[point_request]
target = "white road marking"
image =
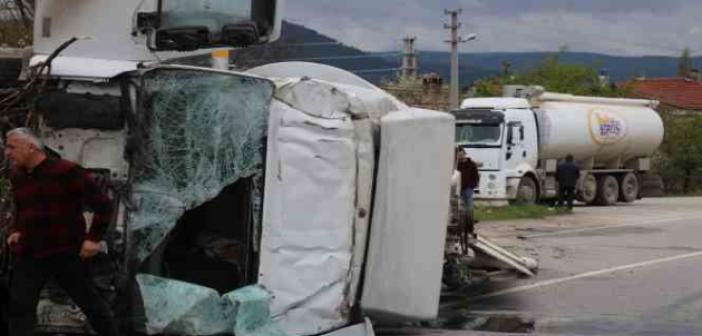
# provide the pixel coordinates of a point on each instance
(604, 227)
(585, 275)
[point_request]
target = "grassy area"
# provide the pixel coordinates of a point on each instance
(517, 212)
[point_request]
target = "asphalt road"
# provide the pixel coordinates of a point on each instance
(632, 269)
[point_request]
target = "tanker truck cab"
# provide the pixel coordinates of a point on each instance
(500, 135)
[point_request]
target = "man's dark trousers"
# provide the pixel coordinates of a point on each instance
(70, 272)
(566, 194)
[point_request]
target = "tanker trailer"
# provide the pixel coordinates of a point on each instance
(518, 142)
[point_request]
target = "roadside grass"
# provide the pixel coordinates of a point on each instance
(518, 212)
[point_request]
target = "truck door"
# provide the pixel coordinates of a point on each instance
(516, 152)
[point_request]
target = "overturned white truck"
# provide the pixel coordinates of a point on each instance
(226, 179)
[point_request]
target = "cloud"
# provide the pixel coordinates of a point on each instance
(623, 27)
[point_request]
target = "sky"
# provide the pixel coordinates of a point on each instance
(615, 27)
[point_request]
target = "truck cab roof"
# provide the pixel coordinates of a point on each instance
(497, 103)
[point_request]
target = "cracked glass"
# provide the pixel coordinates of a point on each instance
(197, 132)
(202, 311)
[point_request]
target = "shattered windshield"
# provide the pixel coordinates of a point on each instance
(478, 134)
(198, 132)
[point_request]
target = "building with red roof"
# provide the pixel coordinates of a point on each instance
(680, 95)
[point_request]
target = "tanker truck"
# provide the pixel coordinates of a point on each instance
(517, 142)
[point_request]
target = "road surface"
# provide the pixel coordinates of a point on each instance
(633, 269)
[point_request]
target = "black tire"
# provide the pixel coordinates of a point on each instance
(629, 188)
(607, 190)
(527, 192)
(587, 193)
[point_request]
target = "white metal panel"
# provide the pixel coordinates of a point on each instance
(87, 68)
(561, 97)
(365, 153)
(404, 263)
(495, 103)
(90, 148)
(104, 26)
(309, 86)
(311, 70)
(486, 158)
(522, 155)
(319, 184)
(307, 238)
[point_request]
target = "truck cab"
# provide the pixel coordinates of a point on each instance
(501, 136)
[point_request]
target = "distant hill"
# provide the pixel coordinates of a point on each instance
(479, 65)
(301, 43)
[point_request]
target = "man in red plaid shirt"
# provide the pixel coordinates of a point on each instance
(50, 237)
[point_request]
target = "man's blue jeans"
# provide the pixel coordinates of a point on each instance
(467, 197)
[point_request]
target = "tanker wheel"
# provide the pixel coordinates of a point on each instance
(607, 190)
(527, 192)
(628, 188)
(588, 189)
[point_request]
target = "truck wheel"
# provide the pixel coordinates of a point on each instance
(527, 193)
(588, 189)
(628, 188)
(607, 190)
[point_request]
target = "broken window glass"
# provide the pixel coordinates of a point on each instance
(202, 311)
(198, 132)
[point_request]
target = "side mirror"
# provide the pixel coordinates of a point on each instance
(187, 25)
(183, 38)
(240, 35)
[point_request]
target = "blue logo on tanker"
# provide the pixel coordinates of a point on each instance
(606, 127)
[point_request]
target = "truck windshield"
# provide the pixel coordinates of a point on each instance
(478, 134)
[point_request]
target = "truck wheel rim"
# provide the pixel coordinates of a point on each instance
(589, 189)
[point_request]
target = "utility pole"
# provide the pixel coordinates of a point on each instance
(454, 26)
(409, 59)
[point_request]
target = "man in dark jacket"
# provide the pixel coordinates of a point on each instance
(49, 236)
(567, 175)
(469, 177)
(469, 181)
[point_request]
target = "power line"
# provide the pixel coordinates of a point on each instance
(374, 70)
(307, 44)
(380, 55)
(344, 57)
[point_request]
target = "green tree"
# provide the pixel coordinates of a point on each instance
(684, 63)
(681, 153)
(553, 75)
